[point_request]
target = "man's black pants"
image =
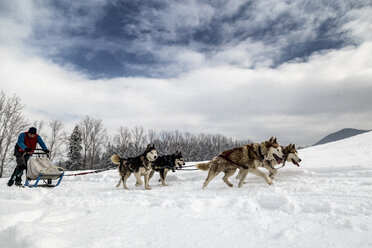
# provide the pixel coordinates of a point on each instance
(21, 159)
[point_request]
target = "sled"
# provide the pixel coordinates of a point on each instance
(39, 167)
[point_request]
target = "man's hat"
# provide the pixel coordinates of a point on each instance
(32, 130)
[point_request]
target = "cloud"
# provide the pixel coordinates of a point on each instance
(15, 18)
(230, 83)
(359, 24)
(243, 103)
(107, 39)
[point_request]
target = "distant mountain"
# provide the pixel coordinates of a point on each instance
(339, 135)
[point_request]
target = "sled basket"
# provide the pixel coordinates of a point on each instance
(41, 168)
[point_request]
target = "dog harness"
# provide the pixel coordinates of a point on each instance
(260, 153)
(166, 160)
(225, 156)
(284, 160)
(268, 162)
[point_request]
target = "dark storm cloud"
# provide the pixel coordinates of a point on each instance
(133, 38)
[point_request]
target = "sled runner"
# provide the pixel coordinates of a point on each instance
(39, 167)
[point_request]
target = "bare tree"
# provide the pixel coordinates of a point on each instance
(12, 122)
(122, 141)
(97, 138)
(123, 137)
(93, 137)
(39, 125)
(139, 139)
(86, 127)
(56, 139)
(151, 134)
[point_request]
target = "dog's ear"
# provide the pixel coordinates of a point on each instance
(294, 146)
(148, 147)
(267, 144)
(273, 140)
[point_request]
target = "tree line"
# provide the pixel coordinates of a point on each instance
(89, 146)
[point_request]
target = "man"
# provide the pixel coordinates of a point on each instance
(24, 148)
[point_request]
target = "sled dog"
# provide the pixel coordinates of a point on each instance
(140, 166)
(165, 163)
(246, 158)
(290, 155)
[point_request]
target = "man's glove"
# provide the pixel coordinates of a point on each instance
(46, 151)
(28, 149)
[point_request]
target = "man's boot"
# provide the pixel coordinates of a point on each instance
(11, 180)
(18, 183)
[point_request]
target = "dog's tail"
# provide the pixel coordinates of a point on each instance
(116, 159)
(203, 166)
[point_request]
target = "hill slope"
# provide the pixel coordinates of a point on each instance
(339, 135)
(324, 203)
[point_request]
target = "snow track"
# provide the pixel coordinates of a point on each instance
(327, 202)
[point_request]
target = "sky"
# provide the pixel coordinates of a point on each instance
(297, 70)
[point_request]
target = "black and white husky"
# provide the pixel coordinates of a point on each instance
(165, 163)
(140, 166)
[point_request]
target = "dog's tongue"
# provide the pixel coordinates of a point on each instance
(298, 165)
(278, 160)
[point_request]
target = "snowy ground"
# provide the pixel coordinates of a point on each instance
(327, 202)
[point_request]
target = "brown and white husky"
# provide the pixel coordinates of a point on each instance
(247, 158)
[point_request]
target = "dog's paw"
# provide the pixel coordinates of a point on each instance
(139, 183)
(148, 188)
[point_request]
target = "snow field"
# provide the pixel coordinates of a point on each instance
(327, 202)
